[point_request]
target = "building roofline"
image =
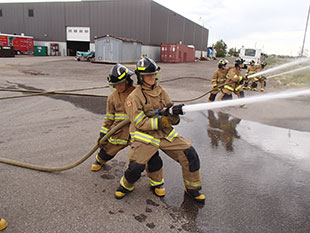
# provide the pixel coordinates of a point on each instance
(13, 35)
(119, 38)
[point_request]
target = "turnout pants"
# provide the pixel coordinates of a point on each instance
(179, 150)
(108, 152)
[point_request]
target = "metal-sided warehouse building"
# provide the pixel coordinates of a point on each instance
(75, 25)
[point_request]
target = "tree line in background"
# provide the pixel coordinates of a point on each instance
(221, 50)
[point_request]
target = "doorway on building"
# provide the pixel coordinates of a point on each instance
(74, 46)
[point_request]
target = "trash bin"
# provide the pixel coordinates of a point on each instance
(39, 50)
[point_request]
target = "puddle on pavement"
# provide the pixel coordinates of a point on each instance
(92, 104)
(248, 169)
(279, 141)
(223, 128)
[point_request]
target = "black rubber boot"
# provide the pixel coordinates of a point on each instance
(159, 190)
(121, 192)
(196, 195)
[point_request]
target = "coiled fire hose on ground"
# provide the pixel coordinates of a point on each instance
(59, 169)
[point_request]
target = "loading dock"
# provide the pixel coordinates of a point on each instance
(78, 39)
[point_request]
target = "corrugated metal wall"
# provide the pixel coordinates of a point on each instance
(143, 20)
(12, 18)
(129, 19)
(47, 24)
(170, 27)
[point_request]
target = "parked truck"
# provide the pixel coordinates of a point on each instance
(249, 54)
(20, 44)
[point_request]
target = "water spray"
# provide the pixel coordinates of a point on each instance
(288, 72)
(238, 102)
(293, 63)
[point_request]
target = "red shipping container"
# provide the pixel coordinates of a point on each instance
(177, 53)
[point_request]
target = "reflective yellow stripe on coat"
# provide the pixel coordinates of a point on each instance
(229, 88)
(139, 117)
(109, 116)
(104, 130)
(238, 88)
(154, 123)
(121, 116)
(144, 137)
(172, 135)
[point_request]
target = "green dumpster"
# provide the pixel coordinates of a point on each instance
(39, 50)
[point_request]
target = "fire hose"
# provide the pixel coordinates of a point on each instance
(59, 169)
(70, 91)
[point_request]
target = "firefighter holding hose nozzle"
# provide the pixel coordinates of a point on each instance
(150, 133)
(234, 81)
(218, 79)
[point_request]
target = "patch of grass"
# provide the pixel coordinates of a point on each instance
(273, 61)
(296, 79)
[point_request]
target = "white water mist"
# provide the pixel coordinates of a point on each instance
(283, 66)
(248, 100)
(288, 72)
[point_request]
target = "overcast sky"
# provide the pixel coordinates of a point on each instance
(275, 26)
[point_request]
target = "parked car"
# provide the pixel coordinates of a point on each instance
(88, 56)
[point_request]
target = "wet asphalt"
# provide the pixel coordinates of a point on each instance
(256, 177)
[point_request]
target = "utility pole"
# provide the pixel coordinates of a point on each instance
(303, 43)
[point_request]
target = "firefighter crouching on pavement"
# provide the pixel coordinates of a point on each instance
(234, 81)
(119, 78)
(261, 79)
(218, 78)
(150, 133)
(251, 69)
(3, 224)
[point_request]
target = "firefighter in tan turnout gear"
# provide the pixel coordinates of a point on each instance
(119, 78)
(261, 79)
(218, 79)
(251, 69)
(234, 81)
(152, 132)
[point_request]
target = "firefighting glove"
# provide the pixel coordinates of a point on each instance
(164, 111)
(174, 119)
(164, 122)
(172, 110)
(101, 135)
